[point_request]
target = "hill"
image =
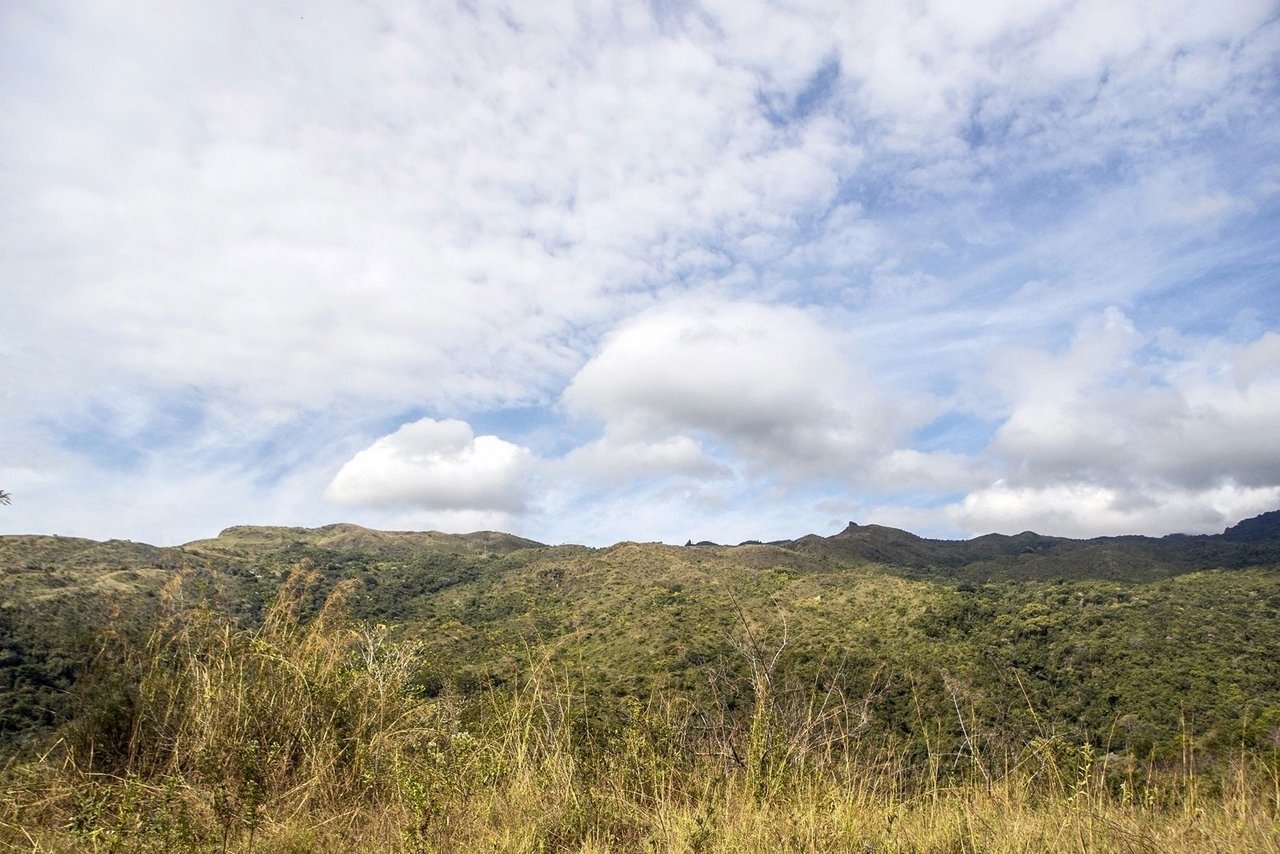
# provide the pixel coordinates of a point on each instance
(1095, 625)
(1029, 555)
(917, 666)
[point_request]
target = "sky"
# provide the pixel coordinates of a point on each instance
(591, 272)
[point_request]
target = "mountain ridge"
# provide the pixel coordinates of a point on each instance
(1250, 542)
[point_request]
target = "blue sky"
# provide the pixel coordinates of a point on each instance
(591, 272)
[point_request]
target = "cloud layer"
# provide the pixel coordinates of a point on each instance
(1123, 432)
(567, 268)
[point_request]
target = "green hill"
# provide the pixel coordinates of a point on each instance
(1156, 633)
(1113, 689)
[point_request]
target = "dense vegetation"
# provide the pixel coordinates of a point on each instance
(430, 691)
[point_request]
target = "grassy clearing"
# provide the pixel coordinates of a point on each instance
(308, 736)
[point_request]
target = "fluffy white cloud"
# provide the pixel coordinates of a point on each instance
(361, 198)
(769, 382)
(1083, 509)
(436, 465)
(1125, 431)
(1116, 409)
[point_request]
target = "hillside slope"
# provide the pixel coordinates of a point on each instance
(1122, 639)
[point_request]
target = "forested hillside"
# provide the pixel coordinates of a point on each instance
(954, 658)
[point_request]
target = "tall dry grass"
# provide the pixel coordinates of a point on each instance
(306, 735)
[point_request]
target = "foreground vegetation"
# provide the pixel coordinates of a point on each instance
(308, 729)
(1087, 641)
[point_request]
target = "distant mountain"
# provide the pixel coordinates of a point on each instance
(1259, 529)
(1029, 555)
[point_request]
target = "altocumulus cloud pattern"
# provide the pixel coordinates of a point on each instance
(655, 271)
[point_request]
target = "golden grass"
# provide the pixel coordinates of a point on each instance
(305, 736)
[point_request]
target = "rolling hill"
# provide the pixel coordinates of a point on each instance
(270, 681)
(1134, 628)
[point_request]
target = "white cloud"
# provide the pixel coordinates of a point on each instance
(1106, 411)
(768, 381)
(910, 470)
(1083, 509)
(611, 461)
(1124, 431)
(680, 509)
(363, 198)
(268, 218)
(437, 466)
(166, 499)
(1203, 207)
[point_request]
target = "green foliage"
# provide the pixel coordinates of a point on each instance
(357, 762)
(402, 679)
(1123, 664)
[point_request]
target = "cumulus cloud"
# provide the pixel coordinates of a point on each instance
(1130, 431)
(438, 466)
(1083, 509)
(1113, 408)
(768, 382)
